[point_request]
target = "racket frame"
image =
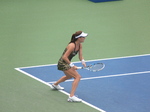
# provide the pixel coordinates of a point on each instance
(88, 67)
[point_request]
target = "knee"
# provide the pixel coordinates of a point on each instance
(78, 77)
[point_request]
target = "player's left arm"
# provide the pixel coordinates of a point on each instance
(81, 56)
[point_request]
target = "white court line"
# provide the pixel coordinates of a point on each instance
(82, 79)
(116, 75)
(18, 69)
(90, 60)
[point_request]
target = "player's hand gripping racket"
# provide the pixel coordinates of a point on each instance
(94, 67)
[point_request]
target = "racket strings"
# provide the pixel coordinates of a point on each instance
(96, 67)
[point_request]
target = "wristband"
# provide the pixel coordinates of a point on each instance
(71, 64)
(82, 60)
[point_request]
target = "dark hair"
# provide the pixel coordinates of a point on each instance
(73, 39)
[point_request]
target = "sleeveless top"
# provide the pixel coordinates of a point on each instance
(62, 65)
(72, 54)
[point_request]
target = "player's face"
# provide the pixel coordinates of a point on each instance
(82, 39)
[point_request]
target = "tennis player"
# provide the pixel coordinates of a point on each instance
(69, 69)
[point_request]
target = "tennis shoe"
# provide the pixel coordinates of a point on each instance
(58, 87)
(74, 99)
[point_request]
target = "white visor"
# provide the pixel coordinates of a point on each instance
(82, 35)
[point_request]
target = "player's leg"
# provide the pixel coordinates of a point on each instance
(62, 79)
(76, 76)
(73, 73)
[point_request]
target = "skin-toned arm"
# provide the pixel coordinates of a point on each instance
(81, 56)
(80, 53)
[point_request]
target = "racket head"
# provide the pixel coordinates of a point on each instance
(96, 67)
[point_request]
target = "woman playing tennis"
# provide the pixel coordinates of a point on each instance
(69, 69)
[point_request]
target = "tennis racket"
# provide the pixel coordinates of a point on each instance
(94, 67)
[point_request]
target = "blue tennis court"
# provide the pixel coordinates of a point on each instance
(122, 86)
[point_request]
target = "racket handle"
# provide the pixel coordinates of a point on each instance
(79, 67)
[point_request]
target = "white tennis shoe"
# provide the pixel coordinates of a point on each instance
(58, 87)
(74, 99)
